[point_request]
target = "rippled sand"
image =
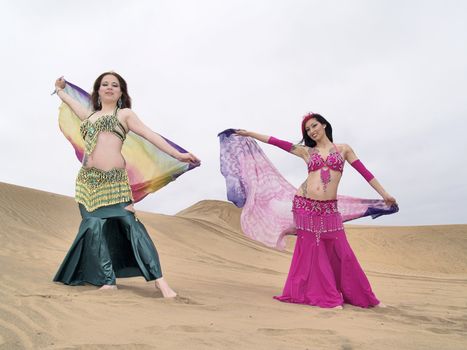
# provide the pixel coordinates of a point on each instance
(225, 283)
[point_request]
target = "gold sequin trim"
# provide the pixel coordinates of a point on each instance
(97, 188)
(90, 130)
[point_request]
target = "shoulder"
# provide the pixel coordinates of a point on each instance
(89, 114)
(125, 114)
(347, 152)
(343, 147)
(301, 150)
(300, 146)
(125, 111)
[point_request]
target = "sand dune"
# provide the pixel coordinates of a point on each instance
(225, 283)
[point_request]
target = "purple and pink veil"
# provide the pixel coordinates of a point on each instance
(265, 196)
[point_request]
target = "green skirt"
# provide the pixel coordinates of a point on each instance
(111, 243)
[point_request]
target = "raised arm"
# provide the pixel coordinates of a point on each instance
(297, 150)
(352, 158)
(76, 107)
(138, 127)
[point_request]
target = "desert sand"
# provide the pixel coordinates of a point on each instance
(225, 283)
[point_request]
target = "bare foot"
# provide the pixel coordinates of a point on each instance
(338, 307)
(163, 286)
(380, 305)
(108, 287)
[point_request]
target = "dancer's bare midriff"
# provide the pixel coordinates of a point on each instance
(107, 155)
(313, 187)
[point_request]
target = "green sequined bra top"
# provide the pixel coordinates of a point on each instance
(90, 130)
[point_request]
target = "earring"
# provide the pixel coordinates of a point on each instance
(119, 103)
(99, 101)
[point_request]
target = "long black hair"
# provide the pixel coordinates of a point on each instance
(320, 119)
(126, 99)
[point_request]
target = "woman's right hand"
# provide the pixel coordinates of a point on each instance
(242, 132)
(60, 83)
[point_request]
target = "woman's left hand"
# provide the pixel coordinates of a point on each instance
(188, 158)
(389, 200)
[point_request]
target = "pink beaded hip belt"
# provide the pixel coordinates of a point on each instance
(314, 206)
(316, 216)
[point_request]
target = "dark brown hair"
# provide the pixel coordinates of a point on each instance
(126, 99)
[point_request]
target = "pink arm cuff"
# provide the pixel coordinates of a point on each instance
(358, 165)
(286, 146)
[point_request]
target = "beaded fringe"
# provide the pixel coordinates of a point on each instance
(96, 188)
(316, 217)
(318, 223)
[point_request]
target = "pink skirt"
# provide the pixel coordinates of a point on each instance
(324, 271)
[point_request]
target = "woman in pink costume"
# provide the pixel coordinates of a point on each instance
(324, 271)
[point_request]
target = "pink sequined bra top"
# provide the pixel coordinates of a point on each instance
(333, 161)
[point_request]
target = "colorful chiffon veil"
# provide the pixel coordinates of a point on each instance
(148, 167)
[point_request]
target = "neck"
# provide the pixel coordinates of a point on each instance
(323, 143)
(108, 107)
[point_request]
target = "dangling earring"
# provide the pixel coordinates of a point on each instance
(99, 101)
(119, 103)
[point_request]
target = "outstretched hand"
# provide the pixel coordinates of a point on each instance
(188, 158)
(389, 200)
(242, 132)
(60, 83)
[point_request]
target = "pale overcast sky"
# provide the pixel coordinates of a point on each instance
(390, 76)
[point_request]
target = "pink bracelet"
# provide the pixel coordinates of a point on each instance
(285, 145)
(358, 165)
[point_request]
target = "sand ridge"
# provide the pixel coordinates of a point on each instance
(225, 283)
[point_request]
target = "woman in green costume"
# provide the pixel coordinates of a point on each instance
(111, 241)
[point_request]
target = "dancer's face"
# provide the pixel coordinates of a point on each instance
(109, 89)
(315, 130)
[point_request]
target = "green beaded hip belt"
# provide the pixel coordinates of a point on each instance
(97, 188)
